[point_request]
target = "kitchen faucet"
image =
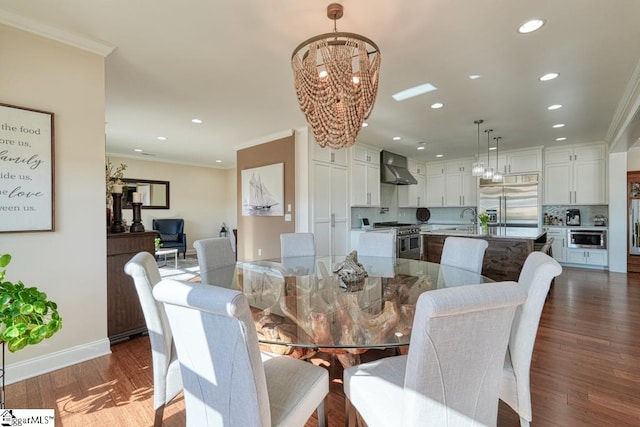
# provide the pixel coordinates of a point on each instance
(474, 219)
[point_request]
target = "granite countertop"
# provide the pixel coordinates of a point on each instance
(527, 233)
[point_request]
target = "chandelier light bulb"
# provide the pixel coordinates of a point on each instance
(488, 173)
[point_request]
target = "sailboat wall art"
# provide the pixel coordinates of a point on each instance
(263, 191)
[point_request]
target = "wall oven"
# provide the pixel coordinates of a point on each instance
(591, 239)
(408, 238)
(409, 245)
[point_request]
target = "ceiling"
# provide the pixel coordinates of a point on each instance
(228, 64)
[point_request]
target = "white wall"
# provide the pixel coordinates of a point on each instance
(633, 160)
(69, 264)
(203, 197)
(618, 212)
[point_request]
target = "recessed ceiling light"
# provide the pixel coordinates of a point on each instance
(196, 120)
(492, 148)
(414, 91)
(562, 138)
(531, 26)
(474, 76)
(162, 138)
(397, 138)
(548, 76)
(559, 125)
(365, 124)
(554, 107)
(138, 150)
(439, 155)
(421, 147)
(218, 161)
(437, 105)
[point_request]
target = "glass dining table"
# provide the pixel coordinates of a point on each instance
(303, 304)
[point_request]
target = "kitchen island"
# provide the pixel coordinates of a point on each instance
(508, 248)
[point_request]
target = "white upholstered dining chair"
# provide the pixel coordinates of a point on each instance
(297, 245)
(225, 382)
(213, 253)
(377, 244)
(536, 275)
(451, 375)
(167, 382)
(464, 252)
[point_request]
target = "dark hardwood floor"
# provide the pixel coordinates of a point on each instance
(585, 372)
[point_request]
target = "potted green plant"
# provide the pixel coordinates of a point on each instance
(483, 217)
(26, 316)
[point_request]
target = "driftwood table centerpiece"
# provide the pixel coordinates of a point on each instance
(344, 313)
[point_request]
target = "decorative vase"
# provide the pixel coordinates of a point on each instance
(136, 226)
(485, 228)
(116, 225)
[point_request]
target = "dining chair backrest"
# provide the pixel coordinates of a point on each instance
(297, 245)
(167, 382)
(225, 380)
(451, 375)
(377, 244)
(456, 354)
(213, 253)
(536, 275)
(464, 252)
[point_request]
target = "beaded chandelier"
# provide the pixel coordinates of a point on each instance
(336, 80)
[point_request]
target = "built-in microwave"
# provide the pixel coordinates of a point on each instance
(593, 239)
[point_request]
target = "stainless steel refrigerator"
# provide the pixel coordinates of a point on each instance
(512, 203)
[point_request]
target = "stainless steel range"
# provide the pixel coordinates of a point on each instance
(408, 238)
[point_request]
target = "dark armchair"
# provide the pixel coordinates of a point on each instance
(171, 234)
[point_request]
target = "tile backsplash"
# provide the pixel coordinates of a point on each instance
(587, 212)
(389, 211)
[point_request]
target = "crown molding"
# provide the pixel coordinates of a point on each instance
(81, 42)
(263, 140)
(624, 129)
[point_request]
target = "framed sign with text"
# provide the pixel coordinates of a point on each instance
(26, 169)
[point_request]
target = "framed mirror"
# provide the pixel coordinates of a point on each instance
(155, 194)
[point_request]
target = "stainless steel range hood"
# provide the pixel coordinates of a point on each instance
(393, 169)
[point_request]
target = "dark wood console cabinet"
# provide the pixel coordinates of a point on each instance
(124, 314)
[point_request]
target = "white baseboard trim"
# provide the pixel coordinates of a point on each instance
(54, 361)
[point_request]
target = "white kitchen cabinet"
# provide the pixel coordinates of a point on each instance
(523, 162)
(330, 207)
(516, 161)
(451, 184)
(329, 155)
(559, 245)
(575, 175)
(416, 167)
(594, 257)
(365, 176)
(413, 196)
(435, 186)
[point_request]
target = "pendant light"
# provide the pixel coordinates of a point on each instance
(336, 82)
(488, 172)
(497, 175)
(477, 168)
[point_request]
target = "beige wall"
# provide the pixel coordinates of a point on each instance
(259, 237)
(633, 160)
(69, 264)
(203, 197)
